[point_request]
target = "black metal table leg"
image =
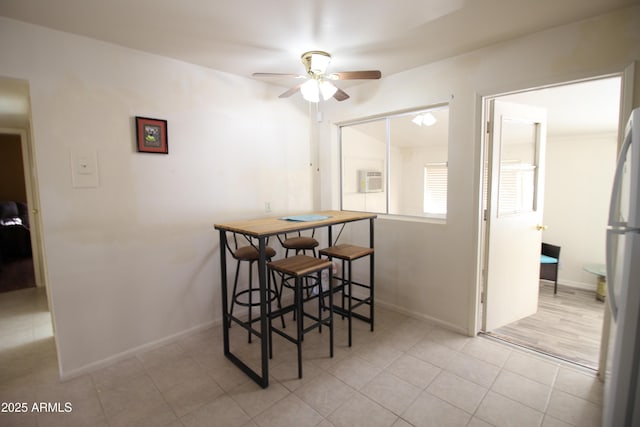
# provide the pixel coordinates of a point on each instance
(264, 298)
(227, 318)
(371, 273)
(223, 286)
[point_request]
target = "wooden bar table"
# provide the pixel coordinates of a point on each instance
(261, 229)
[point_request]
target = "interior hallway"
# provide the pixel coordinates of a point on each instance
(408, 372)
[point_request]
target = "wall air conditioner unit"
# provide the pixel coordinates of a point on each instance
(370, 181)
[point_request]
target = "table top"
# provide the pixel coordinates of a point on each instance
(263, 227)
(597, 269)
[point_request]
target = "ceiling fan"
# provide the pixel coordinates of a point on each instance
(318, 81)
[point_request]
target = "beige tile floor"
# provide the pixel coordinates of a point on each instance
(406, 373)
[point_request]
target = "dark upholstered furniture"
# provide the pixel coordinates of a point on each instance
(15, 237)
(549, 260)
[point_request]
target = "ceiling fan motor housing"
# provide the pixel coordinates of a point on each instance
(316, 62)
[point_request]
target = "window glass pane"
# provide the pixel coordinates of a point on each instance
(412, 149)
(516, 189)
(364, 158)
(417, 139)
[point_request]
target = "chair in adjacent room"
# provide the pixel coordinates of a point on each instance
(347, 254)
(299, 268)
(549, 260)
(250, 297)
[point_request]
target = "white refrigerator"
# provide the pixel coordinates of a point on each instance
(622, 383)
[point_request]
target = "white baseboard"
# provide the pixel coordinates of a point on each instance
(94, 366)
(415, 315)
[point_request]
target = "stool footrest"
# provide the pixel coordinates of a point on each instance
(361, 301)
(245, 324)
(305, 286)
(345, 312)
(284, 335)
(345, 282)
(256, 302)
(282, 311)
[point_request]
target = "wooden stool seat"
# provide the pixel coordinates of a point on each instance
(300, 243)
(250, 253)
(299, 265)
(346, 252)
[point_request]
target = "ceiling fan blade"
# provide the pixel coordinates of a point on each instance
(290, 91)
(281, 75)
(340, 95)
(356, 75)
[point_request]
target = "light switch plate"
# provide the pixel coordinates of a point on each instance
(84, 167)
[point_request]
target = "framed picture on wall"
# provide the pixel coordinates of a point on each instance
(152, 135)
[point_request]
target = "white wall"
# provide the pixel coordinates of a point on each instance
(578, 179)
(135, 260)
(430, 269)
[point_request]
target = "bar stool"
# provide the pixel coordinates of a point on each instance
(300, 267)
(250, 297)
(299, 243)
(348, 254)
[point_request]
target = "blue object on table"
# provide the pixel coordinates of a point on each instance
(305, 218)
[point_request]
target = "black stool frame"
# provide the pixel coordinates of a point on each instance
(348, 283)
(273, 294)
(298, 308)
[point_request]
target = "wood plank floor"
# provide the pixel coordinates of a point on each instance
(567, 325)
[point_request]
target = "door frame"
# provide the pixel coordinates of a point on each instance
(627, 75)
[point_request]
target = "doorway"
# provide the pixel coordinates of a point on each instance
(16, 260)
(582, 121)
(27, 343)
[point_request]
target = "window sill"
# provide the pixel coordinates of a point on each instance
(407, 218)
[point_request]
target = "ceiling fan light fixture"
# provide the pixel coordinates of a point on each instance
(309, 90)
(327, 89)
(426, 119)
(316, 63)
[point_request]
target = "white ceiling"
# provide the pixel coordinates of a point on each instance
(246, 36)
